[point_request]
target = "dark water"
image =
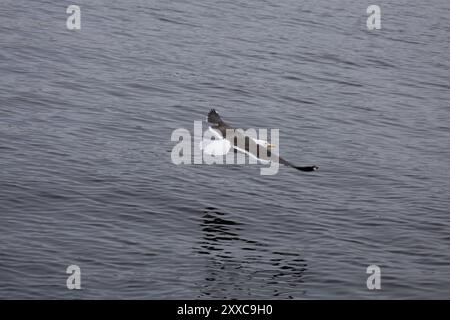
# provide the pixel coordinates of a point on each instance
(86, 176)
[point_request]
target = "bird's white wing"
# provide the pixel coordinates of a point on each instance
(215, 133)
(215, 147)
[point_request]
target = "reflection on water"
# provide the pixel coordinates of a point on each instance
(237, 266)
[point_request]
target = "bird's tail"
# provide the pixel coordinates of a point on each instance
(213, 117)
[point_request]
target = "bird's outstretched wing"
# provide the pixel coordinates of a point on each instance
(217, 122)
(214, 118)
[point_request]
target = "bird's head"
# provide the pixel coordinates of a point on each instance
(265, 144)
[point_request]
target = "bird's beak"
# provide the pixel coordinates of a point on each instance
(270, 146)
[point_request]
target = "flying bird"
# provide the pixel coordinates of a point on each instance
(256, 148)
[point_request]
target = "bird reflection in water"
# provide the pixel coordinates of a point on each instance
(238, 267)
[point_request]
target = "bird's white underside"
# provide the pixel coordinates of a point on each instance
(221, 146)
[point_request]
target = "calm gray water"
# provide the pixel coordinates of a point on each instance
(86, 176)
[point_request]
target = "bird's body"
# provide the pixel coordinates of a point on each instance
(233, 138)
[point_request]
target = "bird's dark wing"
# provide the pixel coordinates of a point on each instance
(301, 168)
(217, 122)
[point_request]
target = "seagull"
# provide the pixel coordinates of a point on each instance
(255, 148)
